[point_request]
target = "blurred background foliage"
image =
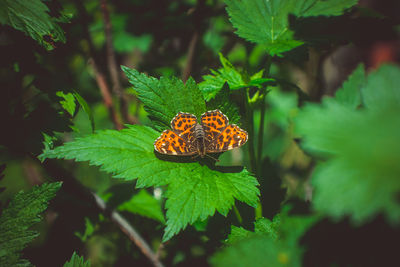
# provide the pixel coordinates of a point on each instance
(57, 84)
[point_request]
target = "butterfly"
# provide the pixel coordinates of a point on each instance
(188, 137)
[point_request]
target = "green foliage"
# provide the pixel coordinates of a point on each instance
(68, 102)
(223, 102)
(194, 191)
(273, 243)
(89, 230)
(360, 176)
(22, 213)
(381, 90)
(261, 226)
(76, 261)
(350, 93)
(86, 108)
(165, 97)
(144, 204)
(266, 22)
(212, 84)
(32, 18)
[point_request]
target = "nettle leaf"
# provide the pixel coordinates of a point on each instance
(212, 84)
(275, 243)
(144, 204)
(382, 88)
(77, 261)
(223, 102)
(350, 92)
(266, 22)
(22, 212)
(165, 97)
(364, 155)
(68, 102)
(32, 18)
(86, 108)
(361, 148)
(194, 191)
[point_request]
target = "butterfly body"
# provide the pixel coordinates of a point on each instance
(188, 137)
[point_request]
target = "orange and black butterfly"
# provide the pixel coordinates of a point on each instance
(188, 137)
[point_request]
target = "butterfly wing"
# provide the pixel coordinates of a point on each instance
(183, 124)
(230, 137)
(171, 143)
(213, 122)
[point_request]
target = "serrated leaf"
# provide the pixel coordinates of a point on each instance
(266, 22)
(350, 92)
(273, 243)
(86, 108)
(165, 97)
(238, 234)
(362, 151)
(382, 88)
(212, 84)
(144, 204)
(223, 102)
(68, 103)
(194, 191)
(76, 261)
(32, 18)
(22, 212)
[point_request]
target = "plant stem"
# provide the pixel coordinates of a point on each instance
(258, 209)
(250, 129)
(112, 67)
(260, 137)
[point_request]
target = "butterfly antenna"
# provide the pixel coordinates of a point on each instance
(217, 160)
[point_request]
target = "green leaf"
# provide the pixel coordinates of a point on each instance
(68, 103)
(361, 148)
(77, 261)
(212, 84)
(144, 204)
(382, 89)
(350, 92)
(238, 234)
(223, 102)
(165, 97)
(266, 226)
(364, 149)
(86, 108)
(312, 8)
(257, 250)
(89, 230)
(194, 191)
(22, 213)
(275, 243)
(32, 18)
(266, 22)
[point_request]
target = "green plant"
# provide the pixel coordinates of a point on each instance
(311, 159)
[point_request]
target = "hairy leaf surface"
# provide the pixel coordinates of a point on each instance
(194, 191)
(266, 22)
(32, 18)
(163, 98)
(21, 213)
